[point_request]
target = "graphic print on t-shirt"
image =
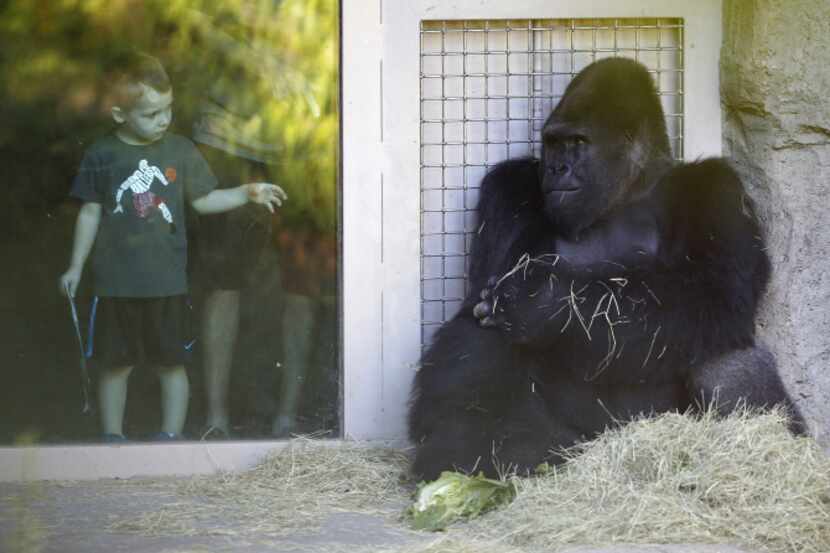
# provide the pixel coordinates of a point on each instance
(143, 198)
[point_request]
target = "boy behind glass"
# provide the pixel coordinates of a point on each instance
(133, 184)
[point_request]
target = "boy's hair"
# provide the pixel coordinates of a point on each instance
(132, 69)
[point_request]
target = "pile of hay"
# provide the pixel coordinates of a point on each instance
(741, 480)
(294, 489)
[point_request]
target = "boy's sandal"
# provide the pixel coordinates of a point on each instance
(165, 437)
(113, 438)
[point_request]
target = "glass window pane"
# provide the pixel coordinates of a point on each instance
(143, 145)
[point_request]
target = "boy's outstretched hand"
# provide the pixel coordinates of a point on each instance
(263, 193)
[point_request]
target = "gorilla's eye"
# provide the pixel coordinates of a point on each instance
(580, 140)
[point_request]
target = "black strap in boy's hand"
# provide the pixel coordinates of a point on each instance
(84, 372)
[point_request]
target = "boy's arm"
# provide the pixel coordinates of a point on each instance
(86, 228)
(218, 201)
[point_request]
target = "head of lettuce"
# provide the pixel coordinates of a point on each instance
(454, 496)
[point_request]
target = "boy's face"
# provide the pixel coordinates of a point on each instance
(147, 120)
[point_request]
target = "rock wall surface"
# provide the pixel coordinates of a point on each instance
(775, 81)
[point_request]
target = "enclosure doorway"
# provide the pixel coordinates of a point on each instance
(435, 93)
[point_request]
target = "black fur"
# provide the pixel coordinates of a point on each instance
(606, 282)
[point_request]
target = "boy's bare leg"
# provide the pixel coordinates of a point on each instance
(112, 395)
(220, 326)
(175, 394)
(297, 328)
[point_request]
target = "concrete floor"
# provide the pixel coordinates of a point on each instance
(70, 517)
(77, 517)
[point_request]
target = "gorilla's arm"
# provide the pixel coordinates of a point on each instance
(694, 299)
(714, 260)
(510, 220)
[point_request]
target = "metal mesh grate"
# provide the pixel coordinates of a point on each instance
(486, 90)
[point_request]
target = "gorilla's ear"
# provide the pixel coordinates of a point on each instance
(639, 149)
(643, 147)
(647, 160)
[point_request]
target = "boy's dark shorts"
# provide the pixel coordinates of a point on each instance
(229, 245)
(126, 332)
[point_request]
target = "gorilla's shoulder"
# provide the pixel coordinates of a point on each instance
(707, 217)
(703, 178)
(706, 194)
(512, 182)
(527, 167)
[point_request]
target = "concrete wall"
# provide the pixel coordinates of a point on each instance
(775, 79)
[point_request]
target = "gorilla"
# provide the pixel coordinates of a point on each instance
(606, 282)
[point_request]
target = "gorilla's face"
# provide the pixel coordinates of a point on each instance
(585, 172)
(603, 144)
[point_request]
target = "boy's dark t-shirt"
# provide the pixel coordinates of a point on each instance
(141, 246)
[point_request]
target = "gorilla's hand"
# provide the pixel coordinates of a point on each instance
(487, 311)
(524, 304)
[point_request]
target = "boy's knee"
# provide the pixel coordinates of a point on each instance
(166, 370)
(117, 372)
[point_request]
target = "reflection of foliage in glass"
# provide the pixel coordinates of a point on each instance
(277, 60)
(56, 55)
